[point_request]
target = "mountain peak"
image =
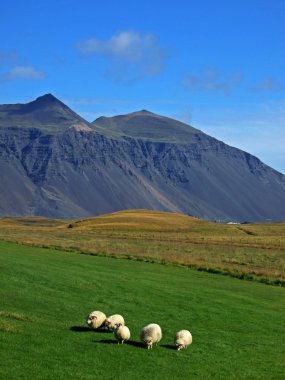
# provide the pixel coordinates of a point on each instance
(141, 113)
(47, 98)
(45, 112)
(145, 112)
(45, 101)
(147, 125)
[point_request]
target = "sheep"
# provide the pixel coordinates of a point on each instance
(112, 320)
(182, 339)
(96, 319)
(151, 334)
(122, 333)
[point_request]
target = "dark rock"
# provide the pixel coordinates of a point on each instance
(54, 163)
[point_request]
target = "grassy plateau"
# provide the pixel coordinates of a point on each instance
(249, 251)
(237, 326)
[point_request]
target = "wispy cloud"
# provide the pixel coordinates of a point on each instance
(124, 102)
(22, 72)
(8, 57)
(212, 80)
(260, 132)
(185, 115)
(98, 101)
(130, 55)
(267, 84)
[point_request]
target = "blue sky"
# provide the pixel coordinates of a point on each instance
(218, 65)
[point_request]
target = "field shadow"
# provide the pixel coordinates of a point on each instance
(135, 344)
(103, 331)
(108, 341)
(114, 341)
(168, 346)
(87, 329)
(80, 329)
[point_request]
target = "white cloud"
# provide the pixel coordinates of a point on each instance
(130, 55)
(211, 80)
(22, 72)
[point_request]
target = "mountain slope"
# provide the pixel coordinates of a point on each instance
(70, 168)
(145, 125)
(46, 113)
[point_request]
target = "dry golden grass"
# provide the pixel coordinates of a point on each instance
(7, 321)
(253, 251)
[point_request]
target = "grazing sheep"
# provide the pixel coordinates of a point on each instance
(112, 320)
(182, 339)
(96, 319)
(122, 333)
(151, 334)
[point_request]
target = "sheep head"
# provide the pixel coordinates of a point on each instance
(149, 342)
(91, 319)
(179, 344)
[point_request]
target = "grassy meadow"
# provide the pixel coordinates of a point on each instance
(237, 326)
(250, 251)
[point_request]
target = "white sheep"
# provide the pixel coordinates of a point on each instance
(114, 319)
(151, 334)
(96, 319)
(182, 339)
(122, 333)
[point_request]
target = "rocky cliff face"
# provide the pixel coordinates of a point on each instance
(77, 169)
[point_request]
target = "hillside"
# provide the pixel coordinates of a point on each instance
(46, 295)
(58, 165)
(46, 113)
(145, 125)
(250, 251)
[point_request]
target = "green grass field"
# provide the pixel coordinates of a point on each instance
(251, 251)
(237, 326)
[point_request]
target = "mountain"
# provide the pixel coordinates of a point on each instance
(46, 113)
(147, 126)
(54, 163)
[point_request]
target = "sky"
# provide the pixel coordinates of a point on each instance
(218, 65)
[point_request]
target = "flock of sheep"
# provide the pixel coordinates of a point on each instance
(149, 335)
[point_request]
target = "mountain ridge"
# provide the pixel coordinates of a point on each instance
(45, 112)
(147, 125)
(76, 169)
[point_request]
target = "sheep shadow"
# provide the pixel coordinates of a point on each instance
(86, 329)
(168, 346)
(107, 341)
(80, 329)
(135, 344)
(114, 341)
